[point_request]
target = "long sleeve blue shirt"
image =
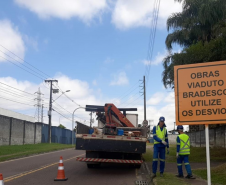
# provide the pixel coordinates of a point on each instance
(159, 140)
(178, 144)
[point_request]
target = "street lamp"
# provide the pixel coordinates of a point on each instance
(62, 94)
(73, 123)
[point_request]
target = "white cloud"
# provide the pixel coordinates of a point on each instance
(84, 10)
(120, 79)
(135, 13)
(170, 98)
(11, 39)
(80, 92)
(158, 59)
(156, 98)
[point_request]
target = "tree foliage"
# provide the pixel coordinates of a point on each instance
(200, 29)
(62, 126)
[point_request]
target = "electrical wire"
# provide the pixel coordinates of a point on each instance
(25, 61)
(16, 101)
(152, 37)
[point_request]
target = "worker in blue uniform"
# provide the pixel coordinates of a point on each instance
(160, 143)
(183, 152)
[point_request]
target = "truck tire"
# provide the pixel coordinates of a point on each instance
(93, 165)
(137, 166)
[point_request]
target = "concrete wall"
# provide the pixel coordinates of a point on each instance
(18, 132)
(217, 137)
(29, 133)
(4, 130)
(38, 138)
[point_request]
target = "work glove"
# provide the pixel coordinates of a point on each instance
(177, 155)
(165, 143)
(167, 150)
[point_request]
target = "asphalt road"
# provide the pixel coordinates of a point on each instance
(42, 169)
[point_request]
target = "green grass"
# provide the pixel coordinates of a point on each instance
(197, 154)
(169, 179)
(218, 174)
(148, 155)
(149, 144)
(16, 151)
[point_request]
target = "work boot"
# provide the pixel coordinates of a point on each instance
(190, 177)
(161, 174)
(153, 175)
(179, 176)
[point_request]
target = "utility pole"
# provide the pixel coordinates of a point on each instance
(50, 106)
(144, 99)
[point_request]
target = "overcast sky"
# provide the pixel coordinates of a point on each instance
(97, 49)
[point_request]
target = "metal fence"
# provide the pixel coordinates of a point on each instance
(217, 137)
(58, 135)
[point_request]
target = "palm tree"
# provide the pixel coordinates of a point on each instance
(199, 21)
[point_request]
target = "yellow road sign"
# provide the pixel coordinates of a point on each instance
(200, 93)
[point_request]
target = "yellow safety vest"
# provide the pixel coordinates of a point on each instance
(160, 134)
(184, 144)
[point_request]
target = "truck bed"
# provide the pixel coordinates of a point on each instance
(109, 143)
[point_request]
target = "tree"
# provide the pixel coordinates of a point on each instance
(200, 30)
(62, 126)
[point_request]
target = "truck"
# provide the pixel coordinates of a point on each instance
(117, 139)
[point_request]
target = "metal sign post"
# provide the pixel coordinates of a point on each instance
(208, 154)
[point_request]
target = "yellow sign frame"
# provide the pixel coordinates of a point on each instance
(200, 93)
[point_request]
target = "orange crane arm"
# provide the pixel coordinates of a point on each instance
(111, 107)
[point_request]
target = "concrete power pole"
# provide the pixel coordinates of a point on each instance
(144, 99)
(50, 106)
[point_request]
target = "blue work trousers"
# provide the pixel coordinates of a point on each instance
(180, 160)
(159, 152)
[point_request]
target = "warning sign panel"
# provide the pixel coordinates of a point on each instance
(200, 93)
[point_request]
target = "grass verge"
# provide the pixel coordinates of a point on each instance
(199, 155)
(16, 151)
(218, 174)
(169, 179)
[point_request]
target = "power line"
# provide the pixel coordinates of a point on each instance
(23, 64)
(24, 61)
(122, 96)
(16, 89)
(66, 110)
(134, 100)
(66, 95)
(16, 101)
(62, 115)
(152, 36)
(21, 67)
(128, 99)
(128, 94)
(15, 95)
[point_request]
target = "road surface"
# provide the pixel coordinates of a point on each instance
(42, 169)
